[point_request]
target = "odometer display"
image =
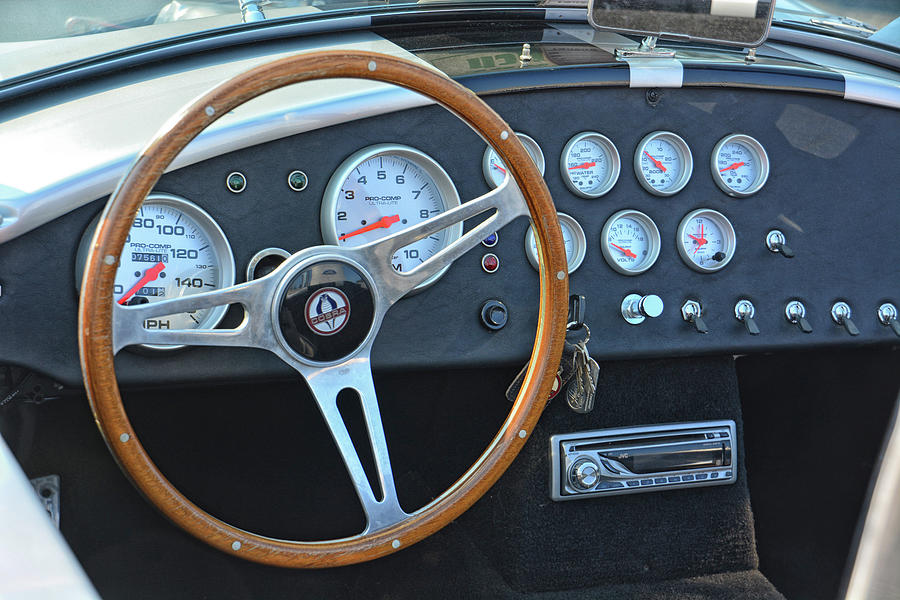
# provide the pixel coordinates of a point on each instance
(174, 248)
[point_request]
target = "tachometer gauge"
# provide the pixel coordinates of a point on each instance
(663, 163)
(174, 249)
(706, 240)
(590, 164)
(573, 236)
(383, 189)
(630, 242)
(495, 171)
(740, 165)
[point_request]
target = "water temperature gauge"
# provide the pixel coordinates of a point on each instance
(630, 242)
(740, 165)
(706, 240)
(573, 236)
(590, 164)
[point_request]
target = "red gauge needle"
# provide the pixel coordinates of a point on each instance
(732, 166)
(701, 240)
(586, 165)
(658, 164)
(499, 168)
(149, 275)
(625, 251)
(383, 222)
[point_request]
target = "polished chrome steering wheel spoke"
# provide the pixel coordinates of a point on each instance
(326, 383)
(507, 203)
(254, 332)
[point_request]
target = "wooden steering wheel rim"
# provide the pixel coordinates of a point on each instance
(95, 311)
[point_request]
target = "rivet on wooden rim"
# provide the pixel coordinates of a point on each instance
(235, 546)
(124, 438)
(210, 111)
(372, 65)
(395, 544)
(560, 275)
(504, 135)
(109, 259)
(523, 433)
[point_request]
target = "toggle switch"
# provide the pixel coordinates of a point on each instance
(840, 314)
(744, 311)
(691, 312)
(777, 243)
(636, 308)
(796, 314)
(887, 316)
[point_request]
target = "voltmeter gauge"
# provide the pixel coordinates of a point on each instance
(706, 240)
(740, 165)
(663, 163)
(590, 164)
(573, 236)
(495, 171)
(174, 249)
(630, 242)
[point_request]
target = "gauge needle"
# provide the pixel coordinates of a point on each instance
(625, 251)
(732, 166)
(499, 168)
(658, 164)
(701, 240)
(383, 222)
(586, 165)
(149, 275)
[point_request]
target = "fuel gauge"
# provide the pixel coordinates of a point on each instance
(573, 237)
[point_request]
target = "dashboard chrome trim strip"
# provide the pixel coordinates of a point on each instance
(862, 88)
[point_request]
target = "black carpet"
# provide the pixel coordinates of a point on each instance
(259, 456)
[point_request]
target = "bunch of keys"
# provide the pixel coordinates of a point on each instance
(578, 373)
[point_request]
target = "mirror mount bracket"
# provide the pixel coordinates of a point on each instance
(647, 49)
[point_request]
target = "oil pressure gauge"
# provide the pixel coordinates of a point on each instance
(590, 164)
(663, 163)
(495, 171)
(573, 236)
(740, 165)
(706, 240)
(630, 242)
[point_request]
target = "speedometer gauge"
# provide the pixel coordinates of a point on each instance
(383, 189)
(573, 238)
(495, 171)
(590, 164)
(706, 240)
(174, 249)
(663, 163)
(740, 165)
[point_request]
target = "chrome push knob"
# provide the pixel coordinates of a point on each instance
(795, 312)
(744, 311)
(840, 314)
(584, 474)
(636, 308)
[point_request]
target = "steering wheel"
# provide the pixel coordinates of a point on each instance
(361, 286)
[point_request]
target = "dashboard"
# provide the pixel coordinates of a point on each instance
(666, 205)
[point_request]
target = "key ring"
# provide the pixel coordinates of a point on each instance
(570, 327)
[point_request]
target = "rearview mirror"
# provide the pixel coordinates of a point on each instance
(743, 23)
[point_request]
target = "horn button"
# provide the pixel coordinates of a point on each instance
(326, 311)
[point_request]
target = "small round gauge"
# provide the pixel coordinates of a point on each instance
(174, 249)
(630, 242)
(706, 240)
(740, 165)
(573, 236)
(590, 164)
(383, 189)
(663, 163)
(495, 171)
